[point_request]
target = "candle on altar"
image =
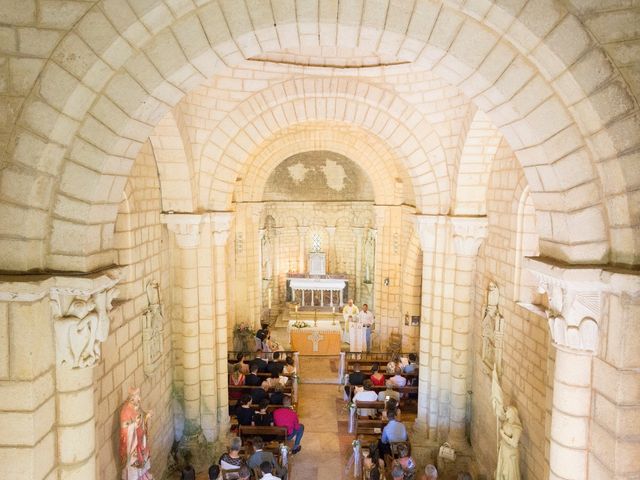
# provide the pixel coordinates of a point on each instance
(269, 303)
(333, 309)
(296, 308)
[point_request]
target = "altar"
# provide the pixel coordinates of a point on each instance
(323, 339)
(317, 291)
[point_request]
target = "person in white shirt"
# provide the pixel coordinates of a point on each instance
(367, 318)
(398, 380)
(266, 469)
(367, 395)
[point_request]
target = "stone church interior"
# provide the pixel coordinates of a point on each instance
(191, 188)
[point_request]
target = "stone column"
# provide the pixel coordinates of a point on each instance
(186, 228)
(76, 301)
(254, 280)
(51, 335)
(468, 234)
(357, 287)
(597, 359)
(331, 250)
(302, 237)
(279, 294)
(434, 241)
(220, 228)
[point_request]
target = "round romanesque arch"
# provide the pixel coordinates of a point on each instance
(108, 77)
(384, 116)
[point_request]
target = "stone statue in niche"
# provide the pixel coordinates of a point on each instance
(492, 330)
(135, 454)
(369, 256)
(152, 329)
(267, 271)
(81, 323)
(508, 432)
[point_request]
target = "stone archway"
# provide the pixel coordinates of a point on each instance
(88, 114)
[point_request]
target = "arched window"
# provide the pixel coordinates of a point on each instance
(527, 245)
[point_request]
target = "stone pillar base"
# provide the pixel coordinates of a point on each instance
(196, 444)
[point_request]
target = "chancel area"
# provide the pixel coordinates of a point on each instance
(345, 239)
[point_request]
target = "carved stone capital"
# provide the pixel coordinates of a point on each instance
(220, 227)
(185, 226)
(574, 303)
(427, 227)
(80, 307)
(468, 234)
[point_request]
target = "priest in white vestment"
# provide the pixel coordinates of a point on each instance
(349, 310)
(356, 335)
(366, 319)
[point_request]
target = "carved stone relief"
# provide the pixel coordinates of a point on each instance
(492, 330)
(572, 314)
(81, 323)
(152, 329)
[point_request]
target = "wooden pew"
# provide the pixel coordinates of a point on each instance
(270, 408)
(369, 427)
(278, 434)
(231, 355)
(404, 391)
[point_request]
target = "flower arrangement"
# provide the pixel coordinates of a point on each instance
(300, 324)
(243, 329)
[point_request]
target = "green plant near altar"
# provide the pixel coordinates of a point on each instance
(243, 338)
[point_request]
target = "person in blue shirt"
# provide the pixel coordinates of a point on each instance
(411, 367)
(394, 431)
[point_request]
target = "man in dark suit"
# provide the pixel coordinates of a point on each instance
(253, 380)
(260, 362)
(356, 378)
(276, 366)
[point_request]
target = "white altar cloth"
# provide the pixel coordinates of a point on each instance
(316, 284)
(322, 285)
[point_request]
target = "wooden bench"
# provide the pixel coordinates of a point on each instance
(248, 388)
(403, 391)
(372, 357)
(270, 407)
(245, 432)
(408, 376)
(232, 356)
(365, 426)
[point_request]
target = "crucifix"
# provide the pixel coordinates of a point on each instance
(315, 337)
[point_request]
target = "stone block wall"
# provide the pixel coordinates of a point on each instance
(27, 391)
(142, 245)
(527, 365)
